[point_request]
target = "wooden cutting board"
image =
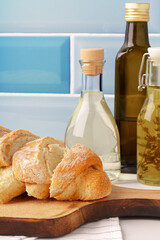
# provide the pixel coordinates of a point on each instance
(50, 218)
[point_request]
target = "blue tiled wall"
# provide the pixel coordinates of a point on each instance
(91, 16)
(40, 44)
(35, 64)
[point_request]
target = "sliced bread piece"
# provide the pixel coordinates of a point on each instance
(10, 187)
(11, 142)
(34, 164)
(4, 130)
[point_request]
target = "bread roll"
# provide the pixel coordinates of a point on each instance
(10, 187)
(34, 164)
(80, 176)
(11, 142)
(4, 130)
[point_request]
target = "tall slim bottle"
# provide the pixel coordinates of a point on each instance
(128, 101)
(92, 123)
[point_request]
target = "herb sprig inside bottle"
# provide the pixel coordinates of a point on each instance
(148, 122)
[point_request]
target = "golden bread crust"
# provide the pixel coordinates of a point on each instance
(10, 187)
(4, 130)
(79, 167)
(91, 184)
(11, 142)
(34, 163)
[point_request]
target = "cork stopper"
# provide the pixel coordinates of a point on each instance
(137, 12)
(92, 61)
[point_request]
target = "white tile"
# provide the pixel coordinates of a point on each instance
(43, 114)
(70, 16)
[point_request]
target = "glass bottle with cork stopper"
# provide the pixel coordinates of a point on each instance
(148, 122)
(92, 123)
(128, 101)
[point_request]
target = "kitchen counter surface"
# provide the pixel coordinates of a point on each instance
(138, 228)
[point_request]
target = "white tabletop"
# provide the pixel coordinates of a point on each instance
(138, 228)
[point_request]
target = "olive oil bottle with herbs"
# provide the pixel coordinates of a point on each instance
(128, 101)
(148, 123)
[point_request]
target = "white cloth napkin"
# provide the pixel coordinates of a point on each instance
(106, 229)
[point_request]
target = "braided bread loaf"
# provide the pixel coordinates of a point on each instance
(80, 176)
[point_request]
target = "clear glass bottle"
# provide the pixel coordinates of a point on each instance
(92, 123)
(128, 101)
(148, 122)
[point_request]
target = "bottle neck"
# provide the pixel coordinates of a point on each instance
(153, 93)
(91, 83)
(137, 34)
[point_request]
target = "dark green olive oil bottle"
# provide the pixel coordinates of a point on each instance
(128, 100)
